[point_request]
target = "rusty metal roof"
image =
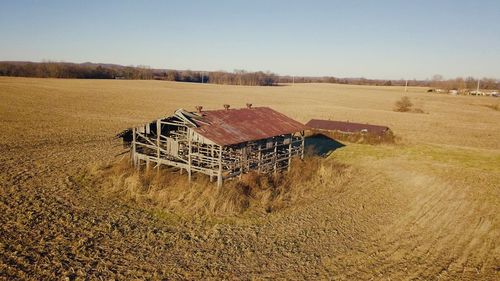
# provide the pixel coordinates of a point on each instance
(233, 126)
(347, 127)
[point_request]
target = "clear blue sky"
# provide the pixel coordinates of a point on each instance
(372, 39)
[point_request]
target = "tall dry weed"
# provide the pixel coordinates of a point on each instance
(493, 106)
(253, 193)
(405, 105)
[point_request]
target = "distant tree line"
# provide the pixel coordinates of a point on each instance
(335, 80)
(237, 77)
(73, 70)
(437, 81)
(460, 83)
(98, 71)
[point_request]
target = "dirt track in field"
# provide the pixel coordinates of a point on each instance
(411, 212)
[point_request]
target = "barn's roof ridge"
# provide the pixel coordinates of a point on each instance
(231, 109)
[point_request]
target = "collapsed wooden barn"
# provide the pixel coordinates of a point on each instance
(222, 144)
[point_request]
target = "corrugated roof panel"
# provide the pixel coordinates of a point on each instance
(232, 126)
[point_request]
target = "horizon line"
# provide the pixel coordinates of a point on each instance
(444, 78)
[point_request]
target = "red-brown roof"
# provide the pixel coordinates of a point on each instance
(232, 126)
(346, 126)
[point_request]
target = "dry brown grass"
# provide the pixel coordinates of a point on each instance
(254, 194)
(493, 106)
(105, 107)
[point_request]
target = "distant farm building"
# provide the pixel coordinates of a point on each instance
(353, 132)
(222, 144)
(436, 90)
(476, 93)
(466, 92)
(347, 127)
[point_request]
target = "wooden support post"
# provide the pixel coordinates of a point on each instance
(219, 173)
(302, 145)
(189, 155)
(249, 157)
(259, 163)
(132, 151)
(242, 161)
(290, 152)
(158, 134)
(275, 158)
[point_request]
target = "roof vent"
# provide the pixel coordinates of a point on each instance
(226, 106)
(249, 105)
(198, 108)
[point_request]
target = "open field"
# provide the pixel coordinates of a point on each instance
(425, 208)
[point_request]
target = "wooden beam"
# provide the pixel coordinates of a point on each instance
(219, 173)
(275, 158)
(149, 146)
(302, 145)
(146, 138)
(133, 151)
(242, 161)
(158, 137)
(189, 155)
(144, 157)
(173, 124)
(290, 153)
(259, 160)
